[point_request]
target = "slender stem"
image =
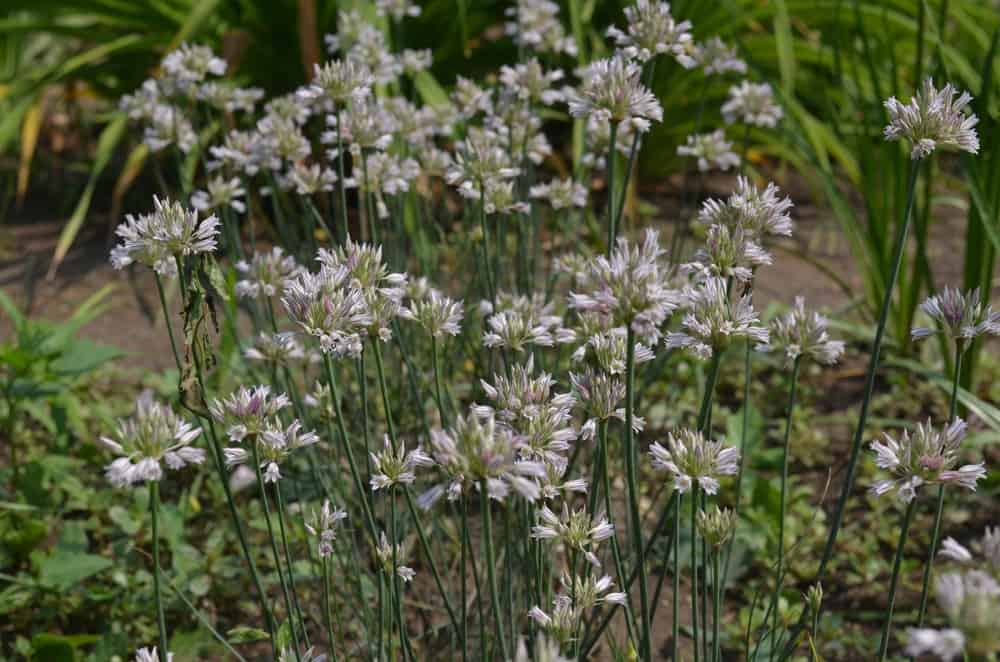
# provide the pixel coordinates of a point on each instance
(487, 263)
(166, 321)
(602, 446)
(873, 364)
(705, 571)
(612, 217)
(716, 607)
(403, 644)
(464, 587)
(907, 518)
(775, 600)
(288, 562)
(384, 389)
(327, 610)
(744, 434)
(939, 510)
(484, 500)
(161, 621)
(704, 414)
(635, 534)
(677, 578)
(694, 570)
(414, 513)
(340, 182)
(437, 381)
(274, 547)
(356, 477)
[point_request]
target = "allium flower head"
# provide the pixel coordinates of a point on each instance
(153, 434)
(612, 91)
(387, 556)
(323, 525)
(327, 307)
(522, 395)
(372, 50)
(926, 457)
(631, 287)
(191, 64)
(240, 152)
(729, 252)
(529, 82)
(167, 233)
(397, 9)
(753, 104)
(247, 411)
(470, 98)
(475, 449)
(545, 650)
(480, 160)
(364, 126)
(716, 527)
(561, 622)
(436, 314)
(220, 193)
(989, 545)
(600, 393)
(598, 141)
(501, 198)
(802, 333)
(396, 466)
(150, 655)
(962, 316)
(266, 274)
(592, 590)
(310, 179)
(933, 119)
(715, 57)
(691, 458)
(608, 349)
(536, 25)
(275, 348)
(712, 150)
(761, 213)
(367, 273)
(561, 193)
(229, 98)
(282, 142)
(554, 484)
(713, 321)
(576, 529)
(651, 31)
(273, 445)
(517, 322)
(970, 601)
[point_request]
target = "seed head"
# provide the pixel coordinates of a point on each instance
(961, 316)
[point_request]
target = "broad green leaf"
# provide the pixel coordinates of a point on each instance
(63, 570)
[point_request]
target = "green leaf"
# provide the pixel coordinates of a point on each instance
(83, 356)
(106, 144)
(52, 648)
(63, 570)
(784, 44)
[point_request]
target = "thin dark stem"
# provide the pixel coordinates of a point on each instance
(274, 547)
(609, 512)
(400, 622)
(166, 321)
(340, 182)
(288, 562)
(939, 509)
(704, 413)
(384, 389)
(694, 570)
(430, 559)
(873, 364)
(635, 534)
(907, 518)
(437, 381)
(744, 434)
(612, 217)
(484, 501)
(327, 610)
(716, 607)
(161, 621)
(676, 604)
(784, 498)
